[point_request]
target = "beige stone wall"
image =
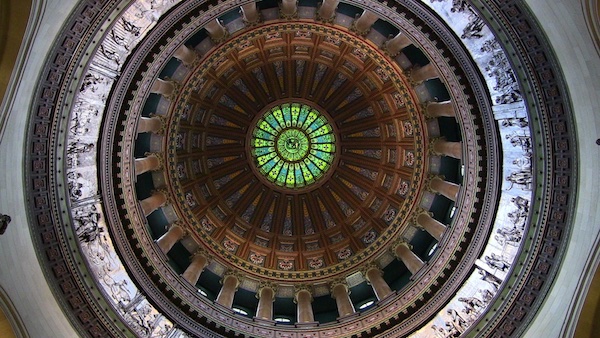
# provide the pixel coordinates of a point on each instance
(565, 26)
(20, 274)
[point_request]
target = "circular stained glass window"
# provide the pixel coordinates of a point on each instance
(293, 145)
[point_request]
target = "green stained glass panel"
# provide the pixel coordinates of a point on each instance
(303, 115)
(293, 145)
(324, 139)
(259, 152)
(263, 125)
(295, 114)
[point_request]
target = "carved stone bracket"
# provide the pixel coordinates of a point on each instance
(160, 158)
(163, 120)
(303, 287)
(269, 285)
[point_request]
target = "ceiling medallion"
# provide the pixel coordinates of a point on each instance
(295, 160)
(293, 145)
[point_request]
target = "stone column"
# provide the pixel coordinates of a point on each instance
(341, 293)
(157, 200)
(165, 88)
(440, 109)
(440, 146)
(187, 56)
(153, 124)
(193, 271)
(396, 44)
(230, 284)
(216, 31)
(166, 241)
(418, 75)
(362, 25)
(326, 11)
(403, 251)
(303, 298)
(288, 9)
(374, 276)
(149, 163)
(250, 14)
(445, 188)
(431, 225)
(266, 297)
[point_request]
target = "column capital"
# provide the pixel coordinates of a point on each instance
(160, 158)
(302, 287)
(200, 252)
(232, 273)
(184, 232)
(190, 57)
(319, 17)
(419, 74)
(164, 192)
(430, 178)
(439, 185)
(163, 123)
(432, 142)
(416, 214)
(250, 14)
(217, 32)
(439, 146)
(362, 22)
(166, 87)
(336, 282)
(282, 10)
(369, 266)
(400, 242)
(266, 285)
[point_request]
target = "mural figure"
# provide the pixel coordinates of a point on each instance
(497, 262)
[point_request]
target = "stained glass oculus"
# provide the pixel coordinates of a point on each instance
(293, 145)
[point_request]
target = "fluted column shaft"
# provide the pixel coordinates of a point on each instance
(146, 164)
(446, 148)
(266, 296)
(342, 298)
(397, 43)
(412, 262)
(379, 285)
(431, 225)
(445, 188)
(230, 285)
(327, 9)
(250, 13)
(424, 73)
(365, 21)
(215, 30)
(157, 200)
(162, 87)
(166, 241)
(441, 109)
(149, 125)
(289, 7)
(193, 271)
(186, 55)
(305, 312)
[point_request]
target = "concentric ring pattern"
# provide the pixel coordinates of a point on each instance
(410, 202)
(274, 100)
